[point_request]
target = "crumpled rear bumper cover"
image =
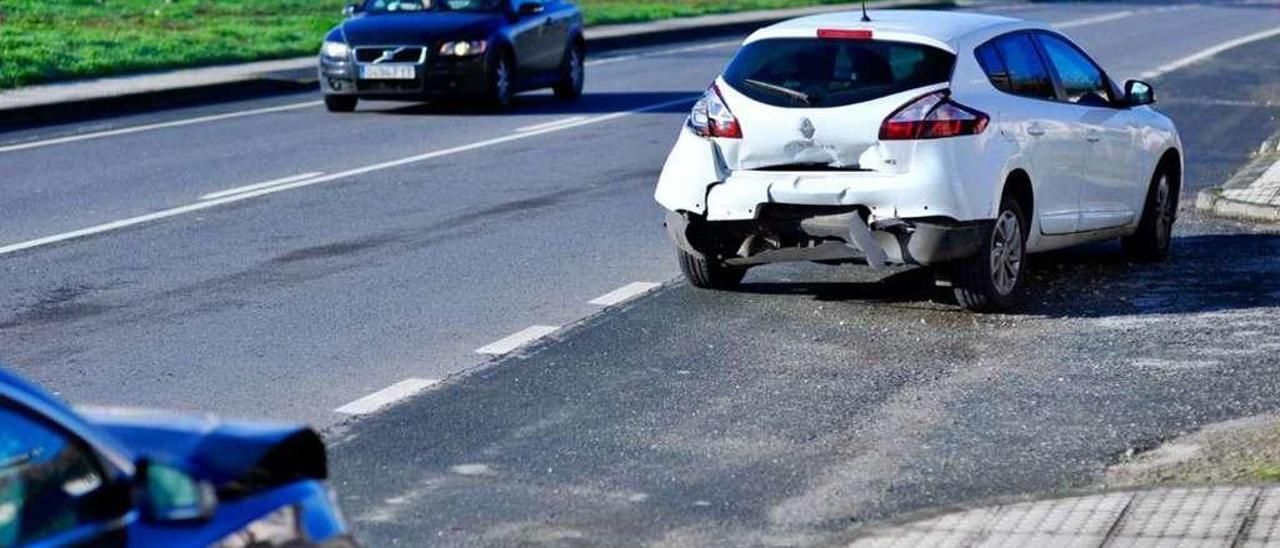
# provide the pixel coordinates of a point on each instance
(827, 236)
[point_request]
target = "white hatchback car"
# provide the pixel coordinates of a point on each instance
(917, 137)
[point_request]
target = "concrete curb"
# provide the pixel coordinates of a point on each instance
(1211, 201)
(63, 102)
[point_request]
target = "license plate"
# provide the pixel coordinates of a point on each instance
(387, 72)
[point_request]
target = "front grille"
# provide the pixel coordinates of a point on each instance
(391, 54)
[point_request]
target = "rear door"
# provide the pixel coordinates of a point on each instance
(819, 102)
(560, 19)
(1107, 167)
(528, 34)
(1040, 124)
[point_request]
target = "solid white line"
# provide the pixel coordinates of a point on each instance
(246, 188)
(550, 124)
(160, 125)
(516, 340)
(670, 51)
(116, 225)
(1201, 56)
(386, 396)
(1095, 19)
(629, 291)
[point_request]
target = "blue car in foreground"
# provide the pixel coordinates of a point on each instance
(143, 478)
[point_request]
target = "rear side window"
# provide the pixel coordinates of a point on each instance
(1027, 73)
(992, 64)
(809, 72)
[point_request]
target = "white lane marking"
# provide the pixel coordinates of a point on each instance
(160, 125)
(386, 396)
(1095, 19)
(516, 340)
(550, 124)
(247, 188)
(267, 110)
(1205, 54)
(116, 225)
(670, 51)
(629, 291)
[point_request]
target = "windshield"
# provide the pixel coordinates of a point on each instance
(808, 72)
(409, 6)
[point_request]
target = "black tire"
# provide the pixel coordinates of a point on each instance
(501, 87)
(1154, 237)
(993, 279)
(340, 103)
(709, 273)
(572, 74)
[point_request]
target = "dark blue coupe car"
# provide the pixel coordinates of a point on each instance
(135, 478)
(421, 49)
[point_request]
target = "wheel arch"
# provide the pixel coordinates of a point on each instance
(1018, 184)
(1171, 163)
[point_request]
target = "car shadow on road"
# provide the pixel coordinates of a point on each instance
(1206, 273)
(536, 104)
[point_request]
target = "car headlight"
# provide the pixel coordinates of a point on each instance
(335, 50)
(278, 528)
(463, 48)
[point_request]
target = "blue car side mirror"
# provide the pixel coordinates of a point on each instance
(170, 494)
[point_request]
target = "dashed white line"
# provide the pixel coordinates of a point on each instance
(626, 292)
(160, 125)
(1210, 52)
(247, 188)
(516, 340)
(206, 204)
(386, 396)
(550, 124)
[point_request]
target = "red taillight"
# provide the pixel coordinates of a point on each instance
(711, 117)
(933, 116)
(844, 34)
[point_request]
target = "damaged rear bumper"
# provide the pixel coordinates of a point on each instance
(782, 233)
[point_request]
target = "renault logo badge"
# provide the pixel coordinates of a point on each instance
(806, 128)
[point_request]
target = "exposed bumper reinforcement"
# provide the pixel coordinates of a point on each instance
(842, 236)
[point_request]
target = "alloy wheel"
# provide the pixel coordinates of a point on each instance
(1164, 212)
(575, 68)
(501, 80)
(1006, 253)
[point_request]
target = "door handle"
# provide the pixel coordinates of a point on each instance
(1093, 137)
(1035, 131)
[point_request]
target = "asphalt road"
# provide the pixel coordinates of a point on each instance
(814, 401)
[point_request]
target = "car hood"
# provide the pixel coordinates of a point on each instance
(238, 457)
(401, 29)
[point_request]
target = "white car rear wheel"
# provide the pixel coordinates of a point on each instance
(993, 279)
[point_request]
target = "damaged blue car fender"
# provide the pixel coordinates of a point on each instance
(122, 477)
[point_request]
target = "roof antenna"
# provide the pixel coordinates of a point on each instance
(865, 18)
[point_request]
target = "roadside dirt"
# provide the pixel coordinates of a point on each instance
(1243, 451)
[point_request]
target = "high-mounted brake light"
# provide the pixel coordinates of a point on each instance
(844, 34)
(933, 116)
(711, 117)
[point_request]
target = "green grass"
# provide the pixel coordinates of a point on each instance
(50, 40)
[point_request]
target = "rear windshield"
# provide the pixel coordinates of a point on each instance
(809, 72)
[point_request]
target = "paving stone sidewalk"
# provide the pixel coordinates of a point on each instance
(1251, 194)
(1204, 517)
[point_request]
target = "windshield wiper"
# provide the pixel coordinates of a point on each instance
(779, 90)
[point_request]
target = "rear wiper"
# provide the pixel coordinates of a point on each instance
(779, 90)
